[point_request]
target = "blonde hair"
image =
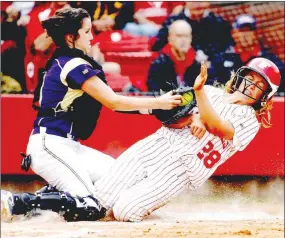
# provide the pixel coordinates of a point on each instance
(263, 114)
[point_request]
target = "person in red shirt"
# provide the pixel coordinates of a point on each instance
(39, 47)
(249, 45)
(244, 34)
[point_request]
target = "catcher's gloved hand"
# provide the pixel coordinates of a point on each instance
(171, 116)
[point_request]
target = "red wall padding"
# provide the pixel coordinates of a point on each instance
(116, 132)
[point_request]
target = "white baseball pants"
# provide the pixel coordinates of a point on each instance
(144, 178)
(66, 164)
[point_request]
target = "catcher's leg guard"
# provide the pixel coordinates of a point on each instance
(72, 209)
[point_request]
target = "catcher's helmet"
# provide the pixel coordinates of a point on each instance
(266, 69)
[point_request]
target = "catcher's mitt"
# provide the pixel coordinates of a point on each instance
(171, 116)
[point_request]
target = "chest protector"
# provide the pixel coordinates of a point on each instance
(84, 110)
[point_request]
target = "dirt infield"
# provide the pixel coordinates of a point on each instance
(247, 209)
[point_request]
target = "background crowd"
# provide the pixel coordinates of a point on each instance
(139, 44)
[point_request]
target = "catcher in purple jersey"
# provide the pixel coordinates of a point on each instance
(69, 102)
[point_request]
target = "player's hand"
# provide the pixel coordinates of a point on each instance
(169, 101)
(201, 78)
(24, 20)
(198, 128)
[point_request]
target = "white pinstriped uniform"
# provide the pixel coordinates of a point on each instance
(161, 166)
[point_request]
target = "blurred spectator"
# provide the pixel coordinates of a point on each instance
(9, 85)
(144, 18)
(24, 8)
(176, 65)
(211, 33)
(13, 21)
(39, 46)
(247, 47)
(102, 13)
(108, 67)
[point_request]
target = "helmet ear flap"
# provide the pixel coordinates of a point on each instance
(260, 103)
(263, 100)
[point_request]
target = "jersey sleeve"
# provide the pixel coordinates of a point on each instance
(76, 71)
(212, 91)
(245, 124)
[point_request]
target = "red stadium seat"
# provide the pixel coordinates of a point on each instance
(119, 41)
(133, 64)
(118, 82)
(8, 44)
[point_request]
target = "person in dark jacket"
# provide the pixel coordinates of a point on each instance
(176, 65)
(211, 33)
(13, 50)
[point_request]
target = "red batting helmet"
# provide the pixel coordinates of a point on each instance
(266, 69)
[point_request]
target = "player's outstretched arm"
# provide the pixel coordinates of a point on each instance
(213, 122)
(97, 89)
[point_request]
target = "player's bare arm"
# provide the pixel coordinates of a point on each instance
(104, 94)
(213, 122)
(42, 42)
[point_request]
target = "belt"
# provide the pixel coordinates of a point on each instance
(54, 132)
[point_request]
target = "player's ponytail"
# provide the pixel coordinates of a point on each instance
(264, 114)
(229, 85)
